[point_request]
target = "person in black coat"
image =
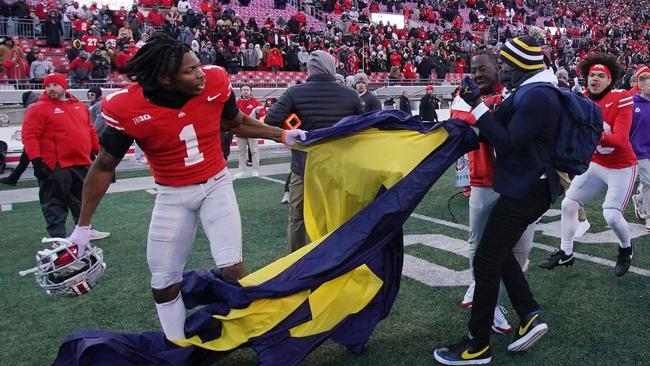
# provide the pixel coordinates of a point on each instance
(318, 103)
(405, 103)
(428, 105)
(52, 29)
(523, 137)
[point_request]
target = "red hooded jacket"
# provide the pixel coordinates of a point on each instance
(59, 132)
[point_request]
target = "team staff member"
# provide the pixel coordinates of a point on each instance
(523, 137)
(59, 139)
(247, 105)
(320, 102)
(613, 165)
(174, 112)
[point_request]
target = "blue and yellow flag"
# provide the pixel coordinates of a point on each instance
(363, 178)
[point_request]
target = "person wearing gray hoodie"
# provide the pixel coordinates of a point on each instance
(40, 68)
(318, 103)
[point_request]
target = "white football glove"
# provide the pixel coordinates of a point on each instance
(291, 136)
(81, 237)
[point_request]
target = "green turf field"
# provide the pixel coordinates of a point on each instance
(594, 317)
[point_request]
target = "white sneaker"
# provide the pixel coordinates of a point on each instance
(285, 198)
(98, 235)
(468, 299)
(239, 174)
(500, 324)
(638, 207)
(255, 173)
(583, 226)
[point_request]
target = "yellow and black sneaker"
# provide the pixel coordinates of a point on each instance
(530, 330)
(464, 352)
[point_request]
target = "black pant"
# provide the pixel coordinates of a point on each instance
(20, 168)
(494, 259)
(61, 193)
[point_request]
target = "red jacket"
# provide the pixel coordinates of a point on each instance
(59, 132)
(275, 58)
(481, 161)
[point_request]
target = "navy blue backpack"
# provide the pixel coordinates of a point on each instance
(579, 132)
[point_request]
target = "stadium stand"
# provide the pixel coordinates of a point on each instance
(439, 37)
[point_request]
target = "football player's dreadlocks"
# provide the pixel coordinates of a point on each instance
(160, 56)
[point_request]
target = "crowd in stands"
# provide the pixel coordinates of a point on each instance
(439, 39)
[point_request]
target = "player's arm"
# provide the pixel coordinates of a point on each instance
(246, 126)
(115, 144)
(620, 135)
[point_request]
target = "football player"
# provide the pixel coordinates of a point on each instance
(613, 165)
(174, 111)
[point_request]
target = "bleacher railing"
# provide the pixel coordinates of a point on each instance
(29, 28)
(25, 84)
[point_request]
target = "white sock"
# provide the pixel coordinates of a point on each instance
(568, 224)
(615, 220)
(172, 318)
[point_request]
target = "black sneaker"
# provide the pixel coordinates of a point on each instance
(464, 352)
(558, 258)
(8, 181)
(530, 330)
(623, 260)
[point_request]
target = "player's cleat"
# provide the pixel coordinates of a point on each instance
(530, 330)
(285, 198)
(468, 299)
(583, 226)
(558, 258)
(647, 224)
(500, 324)
(638, 207)
(623, 260)
(255, 173)
(98, 235)
(464, 352)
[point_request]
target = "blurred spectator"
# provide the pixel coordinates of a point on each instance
(428, 105)
(40, 68)
(101, 67)
(247, 104)
(251, 58)
(369, 101)
(81, 68)
(89, 40)
(122, 57)
(52, 29)
(275, 60)
(155, 18)
(405, 103)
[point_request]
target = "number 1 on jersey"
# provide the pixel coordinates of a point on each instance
(188, 135)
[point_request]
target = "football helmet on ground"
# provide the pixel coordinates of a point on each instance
(60, 272)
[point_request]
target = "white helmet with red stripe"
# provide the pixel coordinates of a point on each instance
(60, 271)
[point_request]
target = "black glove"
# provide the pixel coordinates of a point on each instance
(470, 92)
(41, 170)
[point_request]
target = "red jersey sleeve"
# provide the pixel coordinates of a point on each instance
(111, 111)
(620, 135)
(218, 83)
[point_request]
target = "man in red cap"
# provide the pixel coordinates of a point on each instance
(634, 81)
(428, 105)
(59, 139)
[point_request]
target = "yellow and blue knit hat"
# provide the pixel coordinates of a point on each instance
(524, 53)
